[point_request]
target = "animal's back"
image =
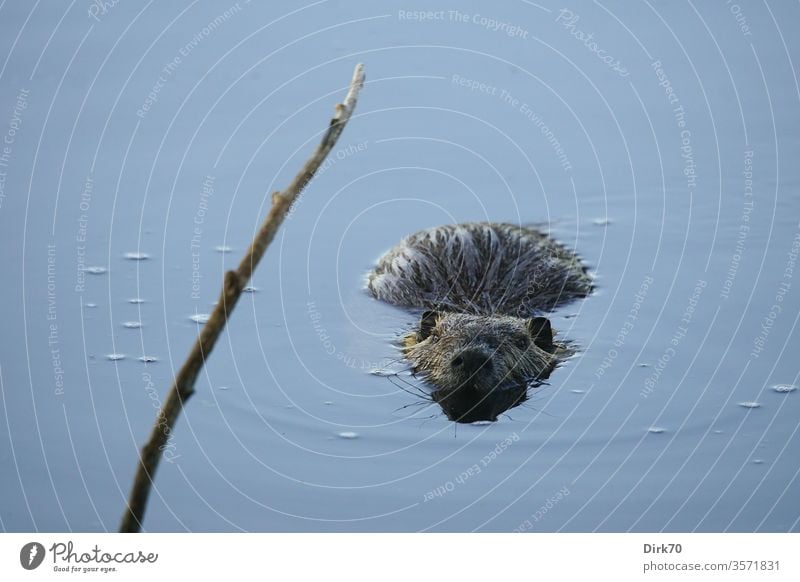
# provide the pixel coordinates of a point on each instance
(481, 268)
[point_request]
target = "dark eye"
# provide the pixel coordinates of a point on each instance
(522, 342)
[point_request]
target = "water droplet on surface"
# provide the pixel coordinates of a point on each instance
(115, 357)
(655, 430)
(95, 270)
(223, 249)
(758, 461)
(132, 324)
(784, 388)
(328, 403)
(347, 435)
(223, 388)
(200, 317)
(601, 221)
(578, 391)
(133, 256)
(718, 432)
(643, 365)
(148, 359)
(136, 300)
(250, 289)
(90, 305)
(750, 404)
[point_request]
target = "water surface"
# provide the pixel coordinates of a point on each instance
(144, 144)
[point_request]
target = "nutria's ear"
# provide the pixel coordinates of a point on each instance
(427, 324)
(541, 333)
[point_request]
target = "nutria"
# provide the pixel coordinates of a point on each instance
(480, 343)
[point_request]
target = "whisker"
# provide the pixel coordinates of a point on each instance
(410, 384)
(391, 361)
(540, 411)
(417, 403)
(415, 413)
(406, 390)
(431, 417)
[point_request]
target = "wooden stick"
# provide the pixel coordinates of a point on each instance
(235, 281)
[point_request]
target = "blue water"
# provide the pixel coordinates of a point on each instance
(663, 148)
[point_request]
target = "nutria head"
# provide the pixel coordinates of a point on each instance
(480, 366)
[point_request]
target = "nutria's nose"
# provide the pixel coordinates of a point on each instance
(471, 361)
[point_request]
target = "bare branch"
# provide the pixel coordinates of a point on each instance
(235, 281)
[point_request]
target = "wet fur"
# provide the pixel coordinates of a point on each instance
(478, 344)
(480, 268)
(512, 353)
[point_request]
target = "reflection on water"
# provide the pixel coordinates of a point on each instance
(678, 410)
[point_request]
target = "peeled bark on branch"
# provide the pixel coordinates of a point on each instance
(235, 281)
